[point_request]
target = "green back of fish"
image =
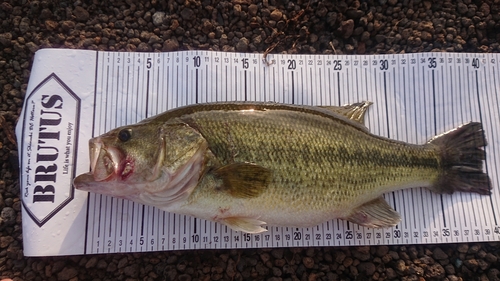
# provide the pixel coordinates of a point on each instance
(310, 153)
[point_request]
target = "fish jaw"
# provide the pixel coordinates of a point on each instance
(109, 170)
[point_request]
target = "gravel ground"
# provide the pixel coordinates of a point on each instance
(317, 26)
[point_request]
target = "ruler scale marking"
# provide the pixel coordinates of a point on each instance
(391, 94)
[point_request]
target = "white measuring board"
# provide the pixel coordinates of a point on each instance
(416, 96)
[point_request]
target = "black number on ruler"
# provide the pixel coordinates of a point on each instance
(487, 231)
(120, 242)
(141, 241)
(246, 237)
(291, 64)
(195, 238)
(475, 63)
(432, 62)
(245, 63)
(359, 235)
(446, 232)
(297, 235)
(287, 237)
(369, 235)
(328, 236)
(196, 61)
(348, 234)
(337, 65)
(384, 64)
(257, 238)
(109, 243)
(318, 236)
(152, 241)
(277, 237)
(148, 63)
(497, 229)
(307, 236)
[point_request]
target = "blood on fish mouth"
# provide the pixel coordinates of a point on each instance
(108, 162)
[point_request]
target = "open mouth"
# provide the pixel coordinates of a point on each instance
(104, 161)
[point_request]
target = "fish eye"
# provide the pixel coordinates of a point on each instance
(124, 135)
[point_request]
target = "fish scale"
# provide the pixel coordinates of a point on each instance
(320, 175)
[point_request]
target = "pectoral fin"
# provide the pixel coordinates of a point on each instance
(244, 180)
(376, 213)
(247, 225)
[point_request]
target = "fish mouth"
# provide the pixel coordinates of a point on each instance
(106, 164)
(104, 161)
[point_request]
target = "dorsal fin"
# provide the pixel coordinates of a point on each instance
(355, 111)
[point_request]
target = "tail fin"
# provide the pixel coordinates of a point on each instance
(462, 156)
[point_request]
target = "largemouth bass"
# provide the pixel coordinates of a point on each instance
(250, 164)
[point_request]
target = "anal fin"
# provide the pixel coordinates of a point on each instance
(375, 214)
(247, 225)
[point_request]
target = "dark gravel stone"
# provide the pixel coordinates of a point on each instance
(8, 216)
(346, 28)
(170, 45)
(187, 14)
(81, 14)
(438, 254)
(361, 253)
(494, 274)
(67, 273)
(435, 271)
(367, 267)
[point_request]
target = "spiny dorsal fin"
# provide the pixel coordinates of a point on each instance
(355, 111)
(244, 180)
(376, 213)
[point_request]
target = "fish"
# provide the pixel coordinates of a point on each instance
(250, 164)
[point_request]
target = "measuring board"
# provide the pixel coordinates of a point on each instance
(416, 96)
